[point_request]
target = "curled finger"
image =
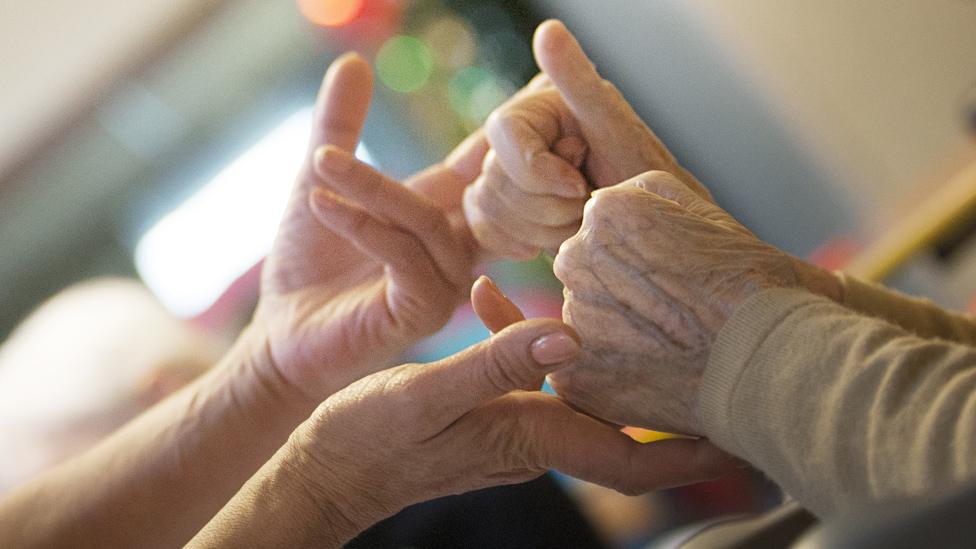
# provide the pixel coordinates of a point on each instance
(402, 253)
(399, 206)
(543, 209)
(491, 235)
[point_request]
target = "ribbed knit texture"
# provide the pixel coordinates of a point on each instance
(839, 408)
(734, 348)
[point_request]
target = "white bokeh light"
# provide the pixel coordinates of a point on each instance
(191, 256)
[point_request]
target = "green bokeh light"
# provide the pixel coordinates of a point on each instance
(404, 64)
(474, 92)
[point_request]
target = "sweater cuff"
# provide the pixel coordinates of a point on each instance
(863, 297)
(736, 343)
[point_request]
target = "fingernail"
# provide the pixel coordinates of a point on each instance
(333, 160)
(494, 287)
(554, 348)
(485, 279)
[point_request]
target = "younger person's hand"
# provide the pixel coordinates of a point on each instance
(363, 266)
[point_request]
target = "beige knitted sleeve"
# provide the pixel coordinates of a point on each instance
(919, 316)
(840, 409)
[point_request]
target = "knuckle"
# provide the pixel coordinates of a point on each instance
(561, 264)
(433, 220)
(489, 239)
(658, 176)
(486, 235)
(604, 199)
(500, 125)
(496, 121)
(503, 366)
(575, 249)
(339, 125)
(533, 451)
(357, 221)
(537, 160)
(658, 181)
(408, 244)
(495, 180)
(517, 431)
(396, 383)
(503, 434)
(572, 245)
(488, 200)
(594, 207)
(608, 210)
(471, 197)
(401, 390)
(571, 269)
(371, 184)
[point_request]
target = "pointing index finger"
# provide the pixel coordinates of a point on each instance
(398, 205)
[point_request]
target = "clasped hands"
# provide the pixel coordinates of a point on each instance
(364, 266)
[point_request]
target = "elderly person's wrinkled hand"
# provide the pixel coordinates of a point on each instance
(417, 432)
(650, 279)
(567, 132)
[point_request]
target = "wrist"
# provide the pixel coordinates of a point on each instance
(281, 506)
(342, 507)
(248, 376)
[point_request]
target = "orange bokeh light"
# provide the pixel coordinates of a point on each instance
(331, 13)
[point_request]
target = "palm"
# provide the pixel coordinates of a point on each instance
(309, 292)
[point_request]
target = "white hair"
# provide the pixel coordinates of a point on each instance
(84, 353)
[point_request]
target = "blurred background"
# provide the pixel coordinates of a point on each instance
(156, 141)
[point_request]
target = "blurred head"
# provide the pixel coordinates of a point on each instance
(85, 362)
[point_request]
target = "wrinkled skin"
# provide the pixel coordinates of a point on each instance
(420, 431)
(569, 131)
(416, 432)
(573, 127)
(650, 279)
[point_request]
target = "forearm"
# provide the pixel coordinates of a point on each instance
(160, 478)
(839, 408)
(918, 316)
